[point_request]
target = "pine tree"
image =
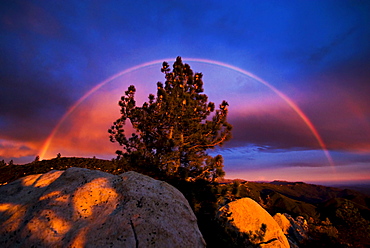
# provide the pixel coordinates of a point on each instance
(37, 158)
(174, 128)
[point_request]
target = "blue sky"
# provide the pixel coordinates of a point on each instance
(315, 52)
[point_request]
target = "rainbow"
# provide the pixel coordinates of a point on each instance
(285, 98)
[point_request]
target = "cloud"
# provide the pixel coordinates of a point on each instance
(324, 51)
(345, 158)
(29, 106)
(52, 53)
(13, 149)
(276, 129)
(85, 131)
(337, 103)
(306, 164)
(31, 17)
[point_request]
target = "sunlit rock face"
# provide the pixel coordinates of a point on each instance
(243, 220)
(295, 230)
(283, 222)
(85, 208)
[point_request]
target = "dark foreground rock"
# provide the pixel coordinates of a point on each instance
(84, 208)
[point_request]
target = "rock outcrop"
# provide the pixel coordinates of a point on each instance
(283, 222)
(294, 229)
(84, 208)
(249, 223)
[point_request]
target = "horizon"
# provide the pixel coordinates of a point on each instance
(330, 183)
(295, 75)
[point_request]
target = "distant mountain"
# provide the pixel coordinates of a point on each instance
(363, 188)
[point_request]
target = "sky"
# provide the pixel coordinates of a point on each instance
(295, 73)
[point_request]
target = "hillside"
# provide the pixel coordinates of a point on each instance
(325, 208)
(9, 173)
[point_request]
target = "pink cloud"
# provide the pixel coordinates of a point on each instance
(15, 149)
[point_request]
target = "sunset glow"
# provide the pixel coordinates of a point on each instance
(246, 73)
(295, 76)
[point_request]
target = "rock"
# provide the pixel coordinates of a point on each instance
(299, 228)
(85, 208)
(286, 227)
(283, 222)
(295, 229)
(244, 219)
